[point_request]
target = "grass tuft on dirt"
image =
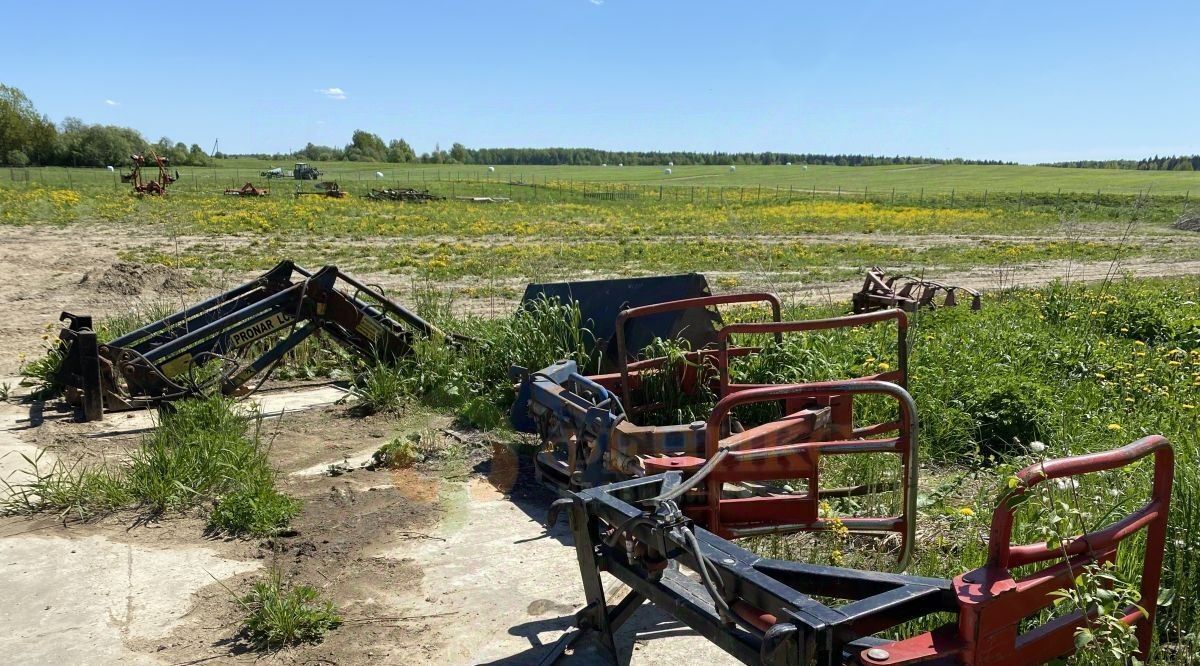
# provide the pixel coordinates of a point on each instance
(279, 615)
(203, 450)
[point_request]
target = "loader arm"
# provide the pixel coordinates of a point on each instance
(247, 330)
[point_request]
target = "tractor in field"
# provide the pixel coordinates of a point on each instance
(302, 171)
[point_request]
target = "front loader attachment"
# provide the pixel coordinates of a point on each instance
(750, 476)
(600, 301)
(231, 338)
(783, 613)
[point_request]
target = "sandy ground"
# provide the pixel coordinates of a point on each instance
(427, 567)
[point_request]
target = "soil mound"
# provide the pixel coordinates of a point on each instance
(129, 279)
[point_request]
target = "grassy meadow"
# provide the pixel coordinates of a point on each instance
(906, 179)
(1041, 372)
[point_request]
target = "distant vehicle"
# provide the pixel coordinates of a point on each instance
(302, 171)
(305, 172)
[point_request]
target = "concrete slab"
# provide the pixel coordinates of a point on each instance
(513, 589)
(271, 404)
(14, 468)
(352, 461)
(76, 601)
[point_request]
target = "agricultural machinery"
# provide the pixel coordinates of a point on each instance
(228, 340)
(327, 188)
(156, 185)
(248, 190)
(658, 506)
(880, 291)
(301, 171)
(406, 194)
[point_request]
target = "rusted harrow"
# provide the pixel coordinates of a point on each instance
(881, 291)
(248, 190)
(407, 194)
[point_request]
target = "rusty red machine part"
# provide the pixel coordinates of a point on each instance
(881, 291)
(649, 502)
(248, 190)
(156, 185)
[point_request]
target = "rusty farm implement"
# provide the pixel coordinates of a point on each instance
(227, 341)
(658, 506)
(155, 185)
(881, 291)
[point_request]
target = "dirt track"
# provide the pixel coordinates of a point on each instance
(77, 269)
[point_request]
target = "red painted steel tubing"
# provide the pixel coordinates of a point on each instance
(780, 327)
(682, 304)
(1152, 515)
(906, 442)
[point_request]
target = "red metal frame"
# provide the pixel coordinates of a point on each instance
(670, 306)
(781, 450)
(992, 603)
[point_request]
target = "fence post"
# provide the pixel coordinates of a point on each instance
(985, 197)
(952, 197)
(1021, 202)
(660, 192)
(839, 194)
(893, 195)
(1185, 201)
(922, 196)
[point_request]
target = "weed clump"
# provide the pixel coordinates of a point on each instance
(398, 452)
(202, 450)
(278, 615)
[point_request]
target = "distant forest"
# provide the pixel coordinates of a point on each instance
(28, 138)
(1156, 163)
(370, 147)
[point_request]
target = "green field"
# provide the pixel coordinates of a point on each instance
(909, 179)
(1071, 368)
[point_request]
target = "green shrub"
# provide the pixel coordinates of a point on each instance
(257, 509)
(1009, 411)
(278, 616)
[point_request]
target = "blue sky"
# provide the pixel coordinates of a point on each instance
(1024, 81)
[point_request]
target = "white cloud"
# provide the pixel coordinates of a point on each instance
(596, 2)
(109, 102)
(332, 93)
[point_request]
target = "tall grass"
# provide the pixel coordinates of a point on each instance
(279, 615)
(471, 378)
(203, 451)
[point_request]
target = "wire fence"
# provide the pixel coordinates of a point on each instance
(537, 187)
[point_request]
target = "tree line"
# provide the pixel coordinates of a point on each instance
(368, 147)
(1156, 163)
(29, 138)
